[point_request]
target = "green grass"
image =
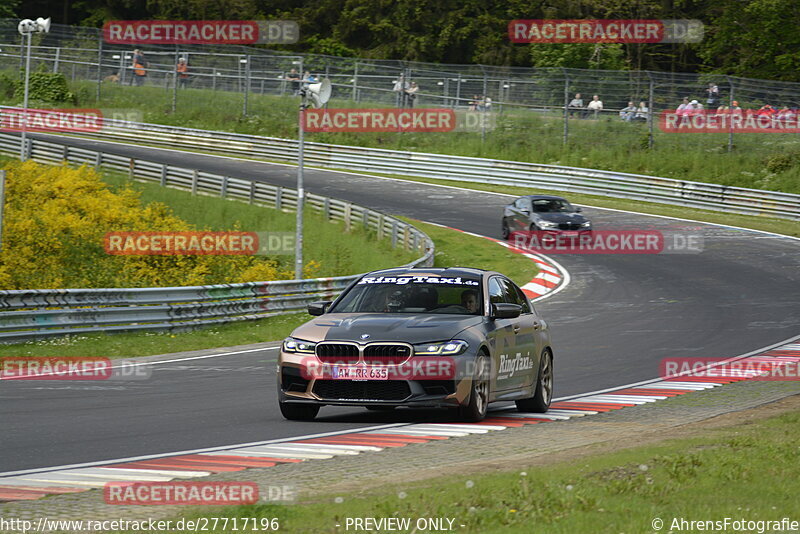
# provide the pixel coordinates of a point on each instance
(339, 253)
(762, 161)
(453, 248)
(745, 471)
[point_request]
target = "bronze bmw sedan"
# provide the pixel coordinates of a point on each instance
(428, 337)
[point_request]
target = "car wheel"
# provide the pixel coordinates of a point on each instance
(298, 412)
(505, 230)
(475, 409)
(540, 401)
(380, 408)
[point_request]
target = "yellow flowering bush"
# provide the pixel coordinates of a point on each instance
(56, 218)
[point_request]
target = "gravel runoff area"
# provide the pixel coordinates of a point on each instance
(508, 449)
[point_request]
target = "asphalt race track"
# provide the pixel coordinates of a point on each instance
(618, 318)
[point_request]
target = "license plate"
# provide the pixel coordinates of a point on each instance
(359, 372)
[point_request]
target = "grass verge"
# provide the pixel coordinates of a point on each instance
(724, 472)
(452, 248)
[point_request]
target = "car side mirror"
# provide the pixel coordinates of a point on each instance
(578, 209)
(318, 308)
(505, 310)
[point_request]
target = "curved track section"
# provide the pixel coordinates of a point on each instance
(615, 321)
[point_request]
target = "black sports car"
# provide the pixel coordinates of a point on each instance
(455, 337)
(543, 213)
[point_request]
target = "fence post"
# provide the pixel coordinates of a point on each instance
(55, 63)
(566, 108)
(175, 79)
(355, 83)
(730, 115)
(99, 67)
(458, 91)
(246, 84)
(650, 121)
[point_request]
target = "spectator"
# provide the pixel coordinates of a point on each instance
(712, 96)
(400, 87)
(411, 94)
(182, 69)
(487, 103)
(723, 110)
(735, 109)
(642, 112)
(695, 108)
(785, 114)
(140, 65)
(595, 106)
(310, 78)
(628, 112)
(473, 104)
(684, 107)
(294, 81)
(767, 110)
(575, 105)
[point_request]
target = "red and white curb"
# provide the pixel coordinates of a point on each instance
(36, 484)
(551, 278)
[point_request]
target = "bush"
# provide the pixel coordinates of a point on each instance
(46, 87)
(783, 161)
(7, 86)
(55, 222)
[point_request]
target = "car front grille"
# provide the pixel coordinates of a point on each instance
(384, 390)
(386, 354)
(341, 353)
(569, 226)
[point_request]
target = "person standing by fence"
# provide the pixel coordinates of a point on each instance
(183, 72)
(139, 67)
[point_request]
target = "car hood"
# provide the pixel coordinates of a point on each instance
(409, 328)
(562, 217)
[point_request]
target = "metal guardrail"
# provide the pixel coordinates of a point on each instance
(31, 314)
(466, 169)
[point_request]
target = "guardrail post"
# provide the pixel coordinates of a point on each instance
(365, 219)
(348, 216)
(415, 241)
(131, 168)
(394, 234)
(163, 176)
(406, 237)
(98, 159)
(195, 177)
(223, 189)
(326, 209)
(381, 222)
(65, 153)
(279, 198)
(252, 196)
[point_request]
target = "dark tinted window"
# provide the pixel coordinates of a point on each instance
(522, 203)
(516, 295)
(496, 291)
(552, 205)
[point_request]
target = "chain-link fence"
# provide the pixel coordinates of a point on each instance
(536, 101)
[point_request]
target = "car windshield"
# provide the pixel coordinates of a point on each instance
(413, 294)
(552, 205)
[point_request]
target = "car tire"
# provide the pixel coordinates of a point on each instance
(543, 395)
(504, 230)
(298, 412)
(475, 409)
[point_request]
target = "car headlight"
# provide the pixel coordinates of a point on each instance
(548, 224)
(587, 224)
(291, 344)
(447, 348)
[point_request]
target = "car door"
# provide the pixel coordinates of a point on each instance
(522, 212)
(522, 364)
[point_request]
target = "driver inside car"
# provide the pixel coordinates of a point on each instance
(469, 299)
